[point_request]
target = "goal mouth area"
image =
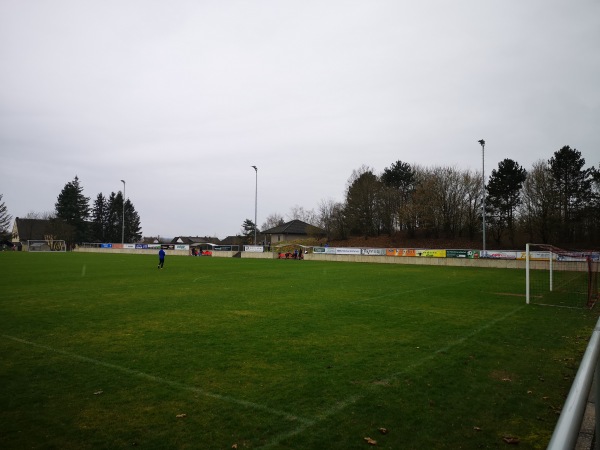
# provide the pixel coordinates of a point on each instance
(561, 277)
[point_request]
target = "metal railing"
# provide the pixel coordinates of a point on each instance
(571, 417)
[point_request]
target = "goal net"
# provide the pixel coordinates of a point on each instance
(46, 245)
(561, 277)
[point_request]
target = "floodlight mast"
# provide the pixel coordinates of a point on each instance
(123, 227)
(482, 143)
(255, 202)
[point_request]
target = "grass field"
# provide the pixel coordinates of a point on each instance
(106, 351)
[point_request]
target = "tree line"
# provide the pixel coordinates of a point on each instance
(75, 221)
(556, 201)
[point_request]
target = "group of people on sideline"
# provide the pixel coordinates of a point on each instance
(297, 254)
(198, 252)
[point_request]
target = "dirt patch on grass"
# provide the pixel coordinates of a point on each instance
(502, 375)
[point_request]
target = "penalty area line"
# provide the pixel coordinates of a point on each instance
(164, 381)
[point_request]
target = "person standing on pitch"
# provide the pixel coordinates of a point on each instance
(161, 258)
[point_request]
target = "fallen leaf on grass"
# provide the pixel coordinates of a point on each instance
(511, 440)
(234, 446)
(181, 416)
(477, 428)
(506, 379)
(370, 441)
(383, 430)
(98, 392)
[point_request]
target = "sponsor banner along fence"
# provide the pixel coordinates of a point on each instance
(374, 251)
(254, 248)
(499, 254)
(326, 250)
(429, 253)
(469, 254)
(432, 253)
(347, 251)
(400, 252)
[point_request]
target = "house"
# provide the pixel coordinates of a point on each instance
(40, 230)
(293, 231)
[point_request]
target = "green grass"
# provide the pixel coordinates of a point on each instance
(104, 351)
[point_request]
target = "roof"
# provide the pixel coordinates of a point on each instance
(233, 240)
(194, 240)
(38, 229)
(295, 227)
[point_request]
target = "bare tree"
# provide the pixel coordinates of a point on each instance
(272, 221)
(472, 217)
(538, 209)
(326, 216)
(46, 215)
(299, 213)
(444, 202)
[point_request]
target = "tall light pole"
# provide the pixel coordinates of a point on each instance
(255, 201)
(482, 142)
(123, 228)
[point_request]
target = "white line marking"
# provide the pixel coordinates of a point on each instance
(175, 384)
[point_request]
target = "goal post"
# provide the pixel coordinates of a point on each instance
(46, 245)
(561, 277)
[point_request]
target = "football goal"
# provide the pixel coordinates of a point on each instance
(46, 245)
(561, 277)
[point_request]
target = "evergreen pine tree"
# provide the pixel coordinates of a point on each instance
(99, 219)
(504, 196)
(73, 208)
(5, 219)
(133, 229)
(113, 216)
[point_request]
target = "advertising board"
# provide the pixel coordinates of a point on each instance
(326, 250)
(374, 251)
(347, 251)
(500, 254)
(431, 253)
(534, 256)
(469, 254)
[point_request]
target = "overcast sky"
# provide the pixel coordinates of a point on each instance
(181, 98)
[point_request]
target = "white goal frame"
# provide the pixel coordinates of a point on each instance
(46, 245)
(548, 256)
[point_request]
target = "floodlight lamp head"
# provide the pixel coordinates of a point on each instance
(482, 142)
(255, 168)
